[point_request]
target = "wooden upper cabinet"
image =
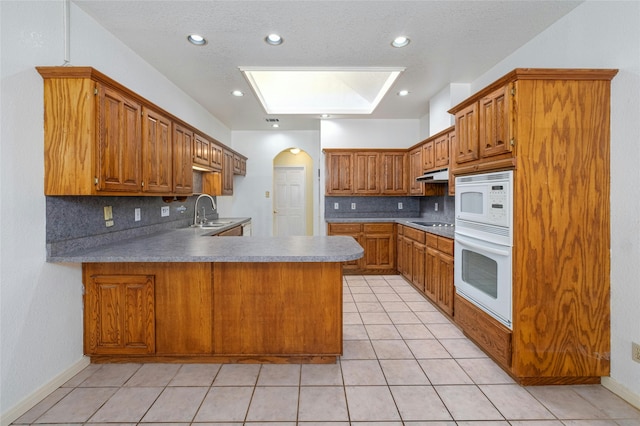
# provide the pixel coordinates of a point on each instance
(394, 177)
(366, 176)
(239, 165)
(428, 156)
(157, 152)
(339, 173)
(182, 160)
(119, 141)
(416, 168)
(494, 128)
(467, 135)
(441, 151)
(201, 151)
(227, 172)
(215, 155)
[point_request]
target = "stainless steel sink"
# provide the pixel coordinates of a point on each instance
(212, 224)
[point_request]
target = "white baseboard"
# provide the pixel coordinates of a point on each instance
(42, 392)
(620, 390)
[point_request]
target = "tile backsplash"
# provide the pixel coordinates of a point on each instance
(388, 207)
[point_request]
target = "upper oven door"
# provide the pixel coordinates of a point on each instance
(471, 202)
(482, 275)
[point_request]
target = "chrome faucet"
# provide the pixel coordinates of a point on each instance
(203, 219)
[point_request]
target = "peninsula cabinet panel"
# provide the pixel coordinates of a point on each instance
(119, 314)
(253, 314)
(157, 152)
(182, 160)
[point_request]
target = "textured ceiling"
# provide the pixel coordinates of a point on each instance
(451, 42)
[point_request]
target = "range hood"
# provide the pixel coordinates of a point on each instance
(436, 176)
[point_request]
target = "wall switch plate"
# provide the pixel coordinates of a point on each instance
(353, 206)
(400, 206)
(108, 213)
(635, 351)
(266, 194)
(164, 211)
(435, 207)
(336, 206)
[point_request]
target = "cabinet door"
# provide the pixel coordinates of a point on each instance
(157, 154)
(428, 156)
(215, 155)
(351, 230)
(379, 242)
(201, 151)
(182, 160)
(495, 138)
(119, 142)
(452, 177)
(415, 170)
(419, 264)
(467, 134)
(227, 172)
(445, 287)
(441, 151)
(431, 273)
(393, 180)
(119, 314)
(407, 254)
(339, 173)
(366, 180)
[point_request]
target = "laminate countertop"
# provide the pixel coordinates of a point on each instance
(202, 245)
(443, 231)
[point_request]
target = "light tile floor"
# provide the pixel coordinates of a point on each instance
(404, 363)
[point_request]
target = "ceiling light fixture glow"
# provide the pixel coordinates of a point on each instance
(197, 39)
(237, 93)
(295, 151)
(325, 116)
(403, 93)
(400, 41)
(275, 125)
(273, 39)
(320, 90)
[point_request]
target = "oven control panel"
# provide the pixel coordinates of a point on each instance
(498, 198)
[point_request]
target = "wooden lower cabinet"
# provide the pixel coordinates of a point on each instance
(213, 312)
(426, 261)
(378, 241)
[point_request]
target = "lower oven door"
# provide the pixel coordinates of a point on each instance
(482, 275)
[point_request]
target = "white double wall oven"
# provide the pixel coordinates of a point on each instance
(484, 241)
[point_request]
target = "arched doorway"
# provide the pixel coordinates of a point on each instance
(292, 193)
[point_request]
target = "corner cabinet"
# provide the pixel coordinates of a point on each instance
(551, 127)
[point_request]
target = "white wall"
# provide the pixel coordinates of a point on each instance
(249, 191)
(40, 303)
(362, 133)
(443, 101)
(606, 35)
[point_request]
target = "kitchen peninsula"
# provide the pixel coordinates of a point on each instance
(187, 295)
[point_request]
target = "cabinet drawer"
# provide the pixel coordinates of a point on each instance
(445, 245)
(414, 234)
(432, 240)
(378, 228)
(344, 228)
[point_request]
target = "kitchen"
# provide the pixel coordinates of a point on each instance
(20, 209)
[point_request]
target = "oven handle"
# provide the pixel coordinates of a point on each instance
(479, 247)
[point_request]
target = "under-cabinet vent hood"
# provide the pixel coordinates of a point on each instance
(437, 176)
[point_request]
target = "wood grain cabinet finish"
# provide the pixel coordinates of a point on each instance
(157, 152)
(366, 173)
(101, 138)
(215, 156)
(227, 172)
(378, 241)
(559, 123)
(393, 177)
(182, 160)
(119, 314)
(339, 172)
(466, 148)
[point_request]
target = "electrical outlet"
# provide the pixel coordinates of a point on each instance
(399, 206)
(137, 214)
(108, 213)
(108, 223)
(353, 206)
(635, 351)
(435, 207)
(336, 206)
(164, 211)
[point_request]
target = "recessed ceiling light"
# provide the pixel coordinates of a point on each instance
(275, 125)
(400, 41)
(237, 93)
(403, 93)
(325, 116)
(273, 39)
(197, 39)
(295, 151)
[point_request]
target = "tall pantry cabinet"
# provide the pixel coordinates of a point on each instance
(551, 126)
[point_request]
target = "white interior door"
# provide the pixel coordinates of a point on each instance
(289, 201)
